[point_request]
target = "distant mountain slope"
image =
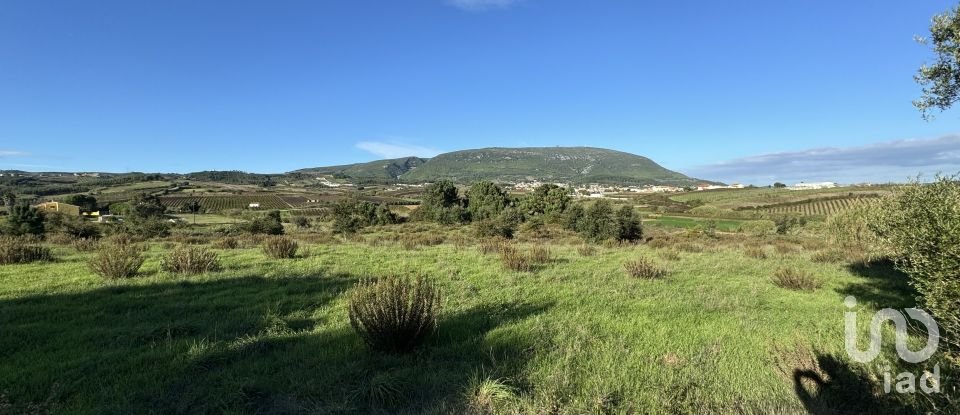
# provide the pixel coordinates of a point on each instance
(380, 169)
(558, 164)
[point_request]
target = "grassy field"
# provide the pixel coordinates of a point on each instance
(575, 336)
(724, 225)
(758, 197)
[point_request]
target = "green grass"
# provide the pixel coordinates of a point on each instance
(686, 222)
(579, 336)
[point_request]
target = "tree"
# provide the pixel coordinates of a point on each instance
(548, 200)
(10, 200)
(573, 217)
(940, 80)
(441, 203)
(86, 203)
(779, 185)
(485, 200)
(301, 221)
(598, 223)
(628, 225)
(920, 224)
(25, 220)
(349, 215)
(145, 206)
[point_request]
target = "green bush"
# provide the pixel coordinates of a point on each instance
(115, 261)
(628, 225)
(22, 250)
(190, 260)
(598, 223)
(280, 247)
(920, 224)
(394, 315)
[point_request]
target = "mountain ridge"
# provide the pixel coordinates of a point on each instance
(512, 164)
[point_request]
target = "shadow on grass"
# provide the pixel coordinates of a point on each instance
(835, 387)
(240, 345)
(885, 286)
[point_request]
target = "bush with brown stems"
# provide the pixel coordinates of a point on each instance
(586, 250)
(756, 252)
(86, 245)
(669, 255)
(280, 247)
(792, 279)
(228, 242)
(644, 268)
(115, 261)
(540, 255)
(190, 260)
(514, 260)
(22, 250)
(830, 255)
(394, 315)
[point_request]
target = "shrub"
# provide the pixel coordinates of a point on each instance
(540, 255)
(756, 252)
(20, 250)
(190, 260)
(921, 226)
(494, 227)
(394, 315)
(280, 247)
(228, 242)
(792, 279)
(586, 250)
(644, 268)
(60, 239)
(599, 223)
(670, 255)
(514, 260)
(628, 225)
(86, 245)
(691, 247)
(830, 255)
(491, 246)
(115, 261)
(269, 224)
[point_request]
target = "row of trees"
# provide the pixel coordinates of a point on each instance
(495, 213)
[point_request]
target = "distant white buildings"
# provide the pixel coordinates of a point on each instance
(704, 186)
(325, 182)
(812, 186)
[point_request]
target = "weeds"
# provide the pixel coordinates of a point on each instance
(644, 268)
(116, 261)
(395, 314)
(190, 260)
(280, 247)
(20, 250)
(792, 279)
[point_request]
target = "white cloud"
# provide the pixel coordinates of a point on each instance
(885, 161)
(12, 153)
(396, 150)
(482, 5)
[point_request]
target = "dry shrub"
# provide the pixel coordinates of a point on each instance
(644, 268)
(540, 255)
(515, 260)
(280, 247)
(60, 239)
(786, 248)
(792, 279)
(124, 239)
(228, 242)
(691, 247)
(491, 246)
(659, 242)
(22, 250)
(756, 252)
(115, 261)
(586, 250)
(86, 245)
(394, 315)
(190, 260)
(251, 241)
(669, 255)
(830, 255)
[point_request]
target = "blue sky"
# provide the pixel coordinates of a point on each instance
(737, 90)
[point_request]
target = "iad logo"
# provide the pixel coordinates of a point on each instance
(906, 381)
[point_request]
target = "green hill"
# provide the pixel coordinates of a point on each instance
(379, 169)
(557, 164)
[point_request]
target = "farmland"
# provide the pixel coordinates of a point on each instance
(220, 203)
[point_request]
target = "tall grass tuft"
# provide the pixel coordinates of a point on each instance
(514, 260)
(116, 261)
(756, 252)
(486, 395)
(280, 247)
(190, 260)
(586, 250)
(792, 279)
(86, 244)
(228, 242)
(21, 250)
(644, 268)
(540, 255)
(394, 315)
